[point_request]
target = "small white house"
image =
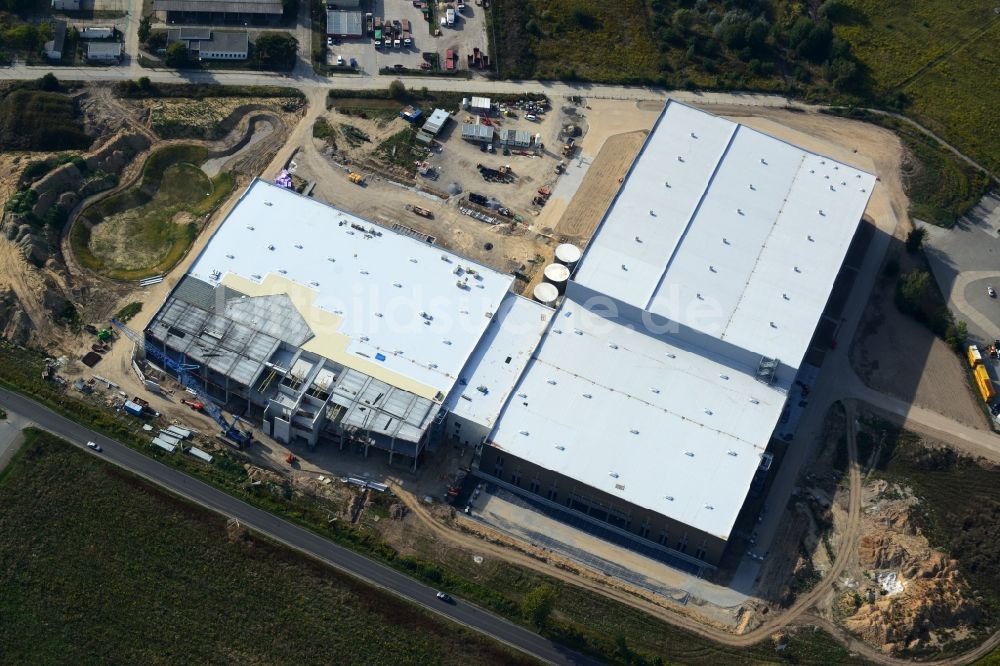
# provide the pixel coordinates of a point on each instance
(97, 33)
(104, 52)
(54, 47)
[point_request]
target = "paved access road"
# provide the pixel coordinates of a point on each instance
(292, 535)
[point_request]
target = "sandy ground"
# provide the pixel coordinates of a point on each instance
(600, 185)
(895, 354)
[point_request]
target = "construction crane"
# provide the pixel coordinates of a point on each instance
(181, 371)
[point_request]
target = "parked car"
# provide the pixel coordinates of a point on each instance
(991, 292)
(329, 41)
(530, 116)
(95, 446)
(340, 61)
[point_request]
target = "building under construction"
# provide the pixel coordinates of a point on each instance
(354, 341)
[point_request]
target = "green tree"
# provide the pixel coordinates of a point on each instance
(145, 28)
(956, 335)
(177, 55)
(397, 89)
(145, 83)
(48, 82)
(912, 291)
(915, 239)
(538, 604)
(277, 49)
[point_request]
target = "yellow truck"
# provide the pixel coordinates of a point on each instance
(356, 178)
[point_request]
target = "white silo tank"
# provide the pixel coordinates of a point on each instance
(546, 294)
(568, 254)
(558, 275)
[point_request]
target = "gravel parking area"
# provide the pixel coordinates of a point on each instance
(469, 32)
(456, 163)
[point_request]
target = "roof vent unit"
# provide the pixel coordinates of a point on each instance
(412, 260)
(732, 453)
(283, 271)
(671, 355)
(482, 389)
(270, 247)
(522, 395)
(551, 381)
(754, 401)
(766, 370)
(613, 475)
(669, 498)
(723, 376)
(655, 390)
(710, 507)
(229, 256)
(447, 342)
(397, 285)
(708, 411)
(693, 135)
(612, 345)
(752, 187)
(314, 283)
(560, 447)
(298, 246)
(525, 433)
(634, 431)
(331, 259)
(666, 183)
(251, 227)
(588, 396)
(268, 203)
(689, 454)
(763, 161)
(255, 276)
(378, 314)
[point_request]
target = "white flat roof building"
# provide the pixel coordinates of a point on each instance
(718, 254)
(498, 362)
(400, 310)
(730, 231)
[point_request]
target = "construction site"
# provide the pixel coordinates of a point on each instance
(245, 349)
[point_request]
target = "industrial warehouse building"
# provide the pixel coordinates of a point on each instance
(216, 12)
(655, 392)
(208, 44)
(644, 402)
(355, 341)
(344, 24)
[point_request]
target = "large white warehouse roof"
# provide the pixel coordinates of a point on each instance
(644, 417)
(498, 362)
(390, 306)
(730, 231)
(721, 248)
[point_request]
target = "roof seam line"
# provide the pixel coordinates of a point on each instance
(691, 218)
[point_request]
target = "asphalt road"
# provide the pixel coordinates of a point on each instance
(292, 535)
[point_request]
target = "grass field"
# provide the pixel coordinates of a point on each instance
(100, 567)
(146, 229)
(37, 120)
(940, 186)
(943, 56)
(612, 631)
